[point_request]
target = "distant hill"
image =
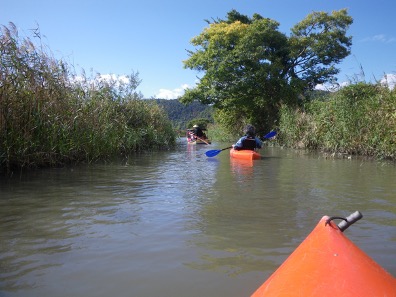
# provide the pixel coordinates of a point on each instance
(181, 114)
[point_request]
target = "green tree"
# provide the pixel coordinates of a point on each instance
(201, 122)
(250, 68)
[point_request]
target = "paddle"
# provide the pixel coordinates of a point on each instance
(269, 135)
(202, 139)
(213, 153)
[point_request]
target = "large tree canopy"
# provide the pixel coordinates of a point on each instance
(249, 67)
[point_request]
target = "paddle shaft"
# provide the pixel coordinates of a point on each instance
(201, 139)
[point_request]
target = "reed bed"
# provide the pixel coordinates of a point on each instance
(359, 119)
(49, 116)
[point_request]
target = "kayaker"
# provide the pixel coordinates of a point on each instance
(198, 131)
(249, 141)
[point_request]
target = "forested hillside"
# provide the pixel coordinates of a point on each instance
(180, 113)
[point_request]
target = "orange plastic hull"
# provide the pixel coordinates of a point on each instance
(328, 264)
(245, 154)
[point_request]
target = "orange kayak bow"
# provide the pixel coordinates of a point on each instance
(327, 263)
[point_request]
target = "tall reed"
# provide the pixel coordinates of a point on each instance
(50, 116)
(358, 119)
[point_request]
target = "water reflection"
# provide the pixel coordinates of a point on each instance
(242, 168)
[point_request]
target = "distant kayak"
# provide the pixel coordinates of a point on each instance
(245, 154)
(327, 263)
(193, 139)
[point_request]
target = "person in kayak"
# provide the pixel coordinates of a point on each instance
(249, 141)
(197, 131)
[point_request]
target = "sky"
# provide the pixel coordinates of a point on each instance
(151, 37)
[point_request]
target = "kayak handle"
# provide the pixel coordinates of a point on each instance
(348, 221)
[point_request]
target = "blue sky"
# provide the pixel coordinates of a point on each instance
(151, 36)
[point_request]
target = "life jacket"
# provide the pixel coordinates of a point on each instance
(249, 143)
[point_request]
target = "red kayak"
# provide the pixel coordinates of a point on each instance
(327, 263)
(245, 154)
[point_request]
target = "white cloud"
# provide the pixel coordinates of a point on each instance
(320, 87)
(389, 80)
(171, 94)
(114, 77)
(331, 87)
(117, 79)
(380, 38)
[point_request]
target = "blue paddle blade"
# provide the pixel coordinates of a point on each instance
(269, 135)
(212, 153)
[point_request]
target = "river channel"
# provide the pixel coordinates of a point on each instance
(177, 223)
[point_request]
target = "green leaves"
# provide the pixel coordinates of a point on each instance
(248, 63)
(317, 44)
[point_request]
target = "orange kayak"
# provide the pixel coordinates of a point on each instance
(245, 154)
(327, 263)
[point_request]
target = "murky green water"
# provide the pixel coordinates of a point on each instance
(181, 224)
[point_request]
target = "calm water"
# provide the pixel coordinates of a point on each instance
(180, 224)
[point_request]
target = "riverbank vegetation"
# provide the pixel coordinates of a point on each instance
(358, 119)
(250, 68)
(49, 116)
(253, 73)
